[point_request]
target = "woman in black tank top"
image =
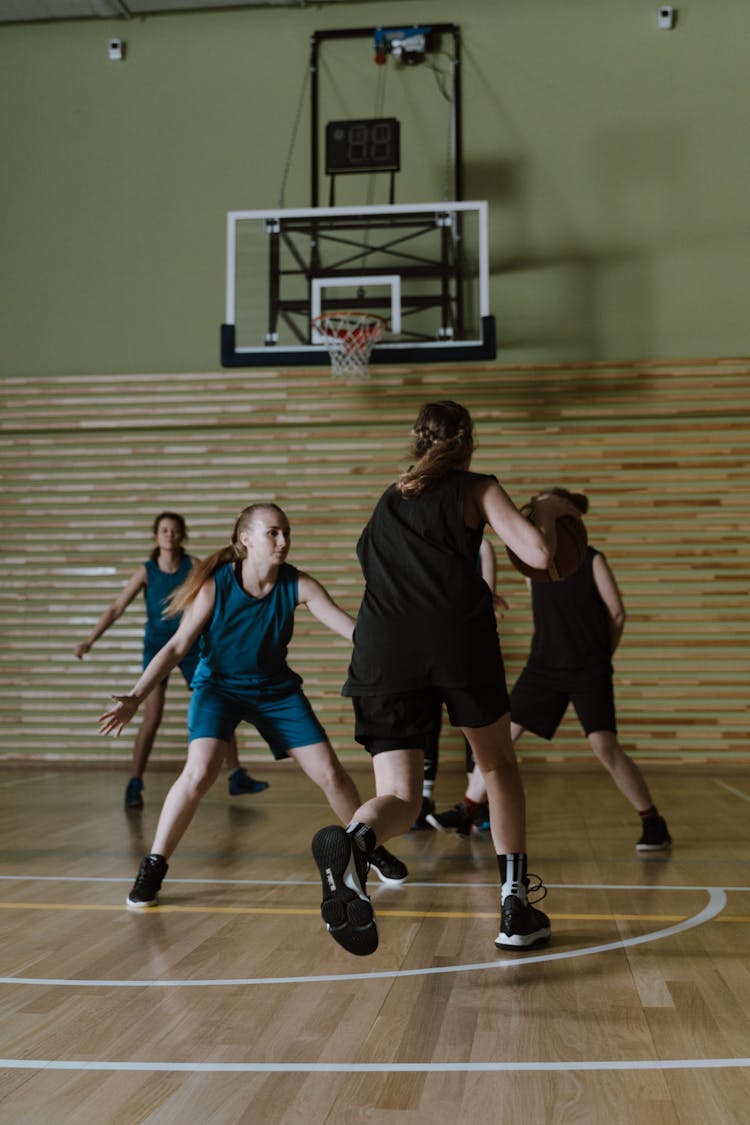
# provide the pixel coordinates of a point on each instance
(578, 624)
(426, 635)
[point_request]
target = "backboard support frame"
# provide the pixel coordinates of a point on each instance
(352, 235)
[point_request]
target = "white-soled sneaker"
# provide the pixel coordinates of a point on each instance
(148, 881)
(346, 909)
(388, 868)
(655, 836)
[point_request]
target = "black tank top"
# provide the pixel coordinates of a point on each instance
(427, 617)
(571, 624)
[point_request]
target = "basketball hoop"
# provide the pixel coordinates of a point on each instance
(349, 338)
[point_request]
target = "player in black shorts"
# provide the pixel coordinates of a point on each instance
(479, 820)
(426, 635)
(578, 624)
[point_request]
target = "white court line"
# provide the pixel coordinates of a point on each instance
(717, 900)
(731, 789)
(381, 887)
(373, 1068)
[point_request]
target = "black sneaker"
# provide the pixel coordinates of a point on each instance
(456, 819)
(388, 869)
(241, 782)
(655, 836)
(421, 823)
(148, 881)
(522, 926)
(345, 909)
(134, 794)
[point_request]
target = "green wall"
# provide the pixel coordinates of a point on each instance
(614, 157)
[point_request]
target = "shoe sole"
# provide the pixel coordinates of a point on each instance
(653, 847)
(389, 880)
(141, 905)
(349, 917)
(521, 942)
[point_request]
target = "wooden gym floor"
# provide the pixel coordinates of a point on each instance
(229, 1003)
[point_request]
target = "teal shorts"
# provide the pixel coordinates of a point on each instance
(284, 718)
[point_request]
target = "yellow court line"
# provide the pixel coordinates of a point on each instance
(301, 910)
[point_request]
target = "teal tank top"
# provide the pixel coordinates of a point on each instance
(244, 645)
(159, 587)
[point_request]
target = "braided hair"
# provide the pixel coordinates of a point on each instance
(442, 439)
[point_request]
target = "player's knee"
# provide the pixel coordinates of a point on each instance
(606, 748)
(502, 770)
(199, 778)
(331, 776)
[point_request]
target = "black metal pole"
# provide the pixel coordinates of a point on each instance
(458, 179)
(314, 120)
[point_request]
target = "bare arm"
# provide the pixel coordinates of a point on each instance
(488, 568)
(136, 583)
(488, 563)
(323, 607)
(534, 543)
(610, 595)
(524, 539)
(193, 621)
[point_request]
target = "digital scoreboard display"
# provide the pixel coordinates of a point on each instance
(371, 144)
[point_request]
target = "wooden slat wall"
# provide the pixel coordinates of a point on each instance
(663, 450)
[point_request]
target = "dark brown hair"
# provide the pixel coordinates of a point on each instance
(580, 500)
(442, 439)
(181, 527)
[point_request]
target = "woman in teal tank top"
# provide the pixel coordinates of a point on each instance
(241, 602)
(166, 569)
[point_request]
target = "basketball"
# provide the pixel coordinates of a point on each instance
(570, 552)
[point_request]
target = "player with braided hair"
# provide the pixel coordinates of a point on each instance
(425, 635)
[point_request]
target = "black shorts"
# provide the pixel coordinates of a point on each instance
(406, 720)
(540, 698)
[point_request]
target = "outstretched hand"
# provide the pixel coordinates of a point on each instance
(117, 718)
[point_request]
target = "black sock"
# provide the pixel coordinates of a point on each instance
(650, 811)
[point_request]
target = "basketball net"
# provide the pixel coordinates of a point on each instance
(349, 338)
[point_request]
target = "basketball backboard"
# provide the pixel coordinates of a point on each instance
(423, 266)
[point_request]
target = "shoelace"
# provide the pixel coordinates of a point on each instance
(533, 888)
